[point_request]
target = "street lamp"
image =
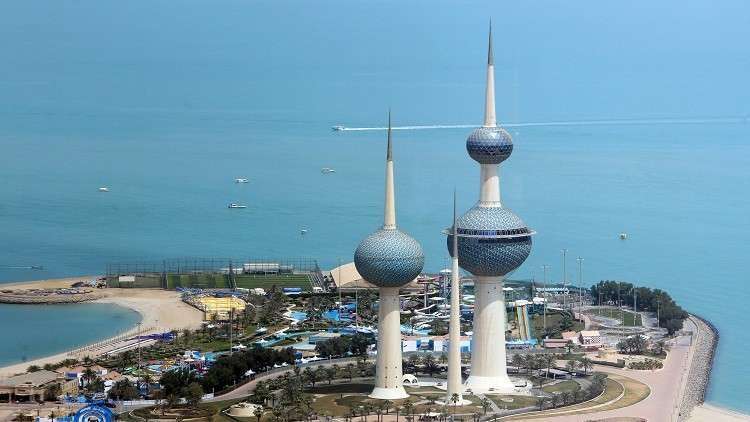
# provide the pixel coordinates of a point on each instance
(545, 267)
(565, 274)
(580, 283)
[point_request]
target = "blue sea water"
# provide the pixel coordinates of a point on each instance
(34, 331)
(167, 102)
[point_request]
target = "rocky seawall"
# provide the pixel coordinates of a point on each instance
(47, 296)
(706, 339)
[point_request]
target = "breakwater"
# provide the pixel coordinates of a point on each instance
(47, 296)
(706, 339)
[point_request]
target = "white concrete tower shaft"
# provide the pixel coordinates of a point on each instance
(388, 371)
(488, 366)
(454, 329)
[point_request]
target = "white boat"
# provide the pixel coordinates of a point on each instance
(623, 236)
(236, 206)
(326, 170)
(103, 189)
(303, 232)
(241, 180)
(338, 128)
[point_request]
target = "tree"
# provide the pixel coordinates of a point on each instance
(310, 376)
(330, 374)
(258, 412)
(430, 365)
(408, 408)
(485, 403)
(454, 400)
(549, 359)
(571, 366)
(170, 401)
(174, 381)
(33, 368)
(261, 393)
(193, 394)
(517, 361)
(586, 364)
(350, 369)
(123, 390)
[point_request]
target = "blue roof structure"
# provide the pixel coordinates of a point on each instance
(389, 258)
(489, 145)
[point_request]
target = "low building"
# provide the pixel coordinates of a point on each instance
(31, 386)
(590, 340)
(219, 308)
(571, 336)
(321, 337)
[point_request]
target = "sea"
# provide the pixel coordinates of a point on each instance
(166, 103)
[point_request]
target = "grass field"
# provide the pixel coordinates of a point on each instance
(560, 387)
(219, 281)
(627, 318)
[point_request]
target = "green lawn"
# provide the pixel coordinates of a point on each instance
(627, 318)
(246, 281)
(560, 387)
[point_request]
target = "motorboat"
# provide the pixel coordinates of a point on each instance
(338, 128)
(241, 180)
(236, 206)
(103, 189)
(623, 236)
(326, 170)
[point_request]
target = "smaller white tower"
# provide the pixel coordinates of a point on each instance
(455, 385)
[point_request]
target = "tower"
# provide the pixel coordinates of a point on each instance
(389, 259)
(492, 242)
(454, 327)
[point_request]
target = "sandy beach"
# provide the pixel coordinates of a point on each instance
(160, 310)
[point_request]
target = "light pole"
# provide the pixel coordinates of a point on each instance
(565, 274)
(580, 283)
(545, 267)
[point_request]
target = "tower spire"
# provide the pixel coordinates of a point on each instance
(489, 96)
(389, 221)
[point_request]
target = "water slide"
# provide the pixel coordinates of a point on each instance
(522, 316)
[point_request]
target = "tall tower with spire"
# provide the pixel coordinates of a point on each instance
(492, 242)
(389, 259)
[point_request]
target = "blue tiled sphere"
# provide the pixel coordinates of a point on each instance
(485, 249)
(389, 258)
(489, 145)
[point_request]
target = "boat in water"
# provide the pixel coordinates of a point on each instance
(338, 128)
(103, 189)
(327, 170)
(233, 205)
(241, 180)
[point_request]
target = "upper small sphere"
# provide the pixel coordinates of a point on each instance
(492, 241)
(389, 258)
(489, 145)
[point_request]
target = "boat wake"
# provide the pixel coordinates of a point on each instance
(613, 122)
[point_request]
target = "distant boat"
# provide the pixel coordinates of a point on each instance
(623, 236)
(338, 128)
(236, 206)
(303, 232)
(326, 170)
(103, 189)
(241, 180)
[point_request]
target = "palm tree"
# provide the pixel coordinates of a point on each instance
(258, 412)
(586, 364)
(146, 379)
(454, 400)
(408, 408)
(548, 359)
(387, 405)
(571, 366)
(485, 403)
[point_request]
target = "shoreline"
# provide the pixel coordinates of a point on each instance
(160, 310)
